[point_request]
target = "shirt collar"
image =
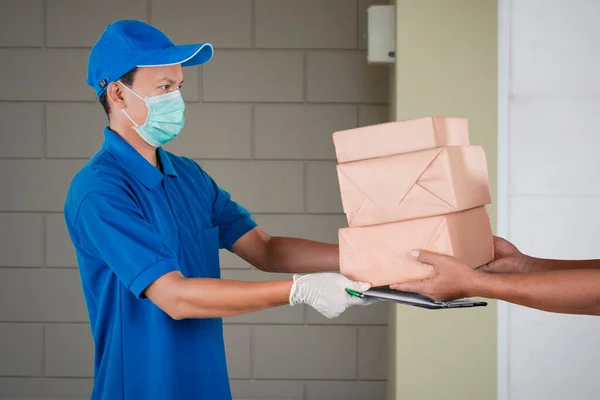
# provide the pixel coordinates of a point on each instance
(165, 162)
(149, 175)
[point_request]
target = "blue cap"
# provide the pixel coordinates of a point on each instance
(127, 44)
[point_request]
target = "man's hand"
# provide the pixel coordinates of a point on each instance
(451, 278)
(507, 259)
(325, 292)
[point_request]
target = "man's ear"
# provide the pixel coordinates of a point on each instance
(114, 92)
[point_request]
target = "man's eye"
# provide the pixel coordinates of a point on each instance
(165, 87)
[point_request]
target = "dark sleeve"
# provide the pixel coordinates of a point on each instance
(114, 229)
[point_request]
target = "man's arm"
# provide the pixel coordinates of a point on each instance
(284, 254)
(240, 234)
(545, 264)
(567, 291)
(183, 298)
(508, 259)
(113, 229)
(564, 291)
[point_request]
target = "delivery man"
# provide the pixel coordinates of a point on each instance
(561, 286)
(147, 227)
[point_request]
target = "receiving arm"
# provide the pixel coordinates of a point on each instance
(508, 259)
(566, 291)
(542, 264)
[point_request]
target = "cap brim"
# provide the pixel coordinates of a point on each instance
(187, 55)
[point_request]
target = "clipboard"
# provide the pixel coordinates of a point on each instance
(385, 293)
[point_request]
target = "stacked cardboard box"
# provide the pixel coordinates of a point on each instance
(405, 185)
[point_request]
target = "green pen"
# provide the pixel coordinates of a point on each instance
(354, 293)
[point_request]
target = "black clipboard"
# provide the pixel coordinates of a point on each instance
(417, 300)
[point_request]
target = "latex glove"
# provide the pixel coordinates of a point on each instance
(325, 292)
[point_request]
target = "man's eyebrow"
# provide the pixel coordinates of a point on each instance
(171, 81)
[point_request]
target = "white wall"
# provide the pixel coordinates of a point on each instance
(549, 185)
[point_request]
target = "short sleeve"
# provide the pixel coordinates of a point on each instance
(113, 229)
(233, 220)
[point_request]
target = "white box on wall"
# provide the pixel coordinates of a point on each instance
(381, 31)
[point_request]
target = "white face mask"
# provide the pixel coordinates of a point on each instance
(165, 117)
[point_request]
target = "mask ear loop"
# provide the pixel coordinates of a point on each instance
(123, 110)
(135, 125)
(130, 89)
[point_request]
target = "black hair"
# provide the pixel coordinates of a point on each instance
(127, 79)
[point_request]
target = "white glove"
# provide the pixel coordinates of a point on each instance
(325, 292)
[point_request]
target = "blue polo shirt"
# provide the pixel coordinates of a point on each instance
(130, 223)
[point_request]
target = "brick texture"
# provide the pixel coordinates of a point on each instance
(229, 260)
(283, 24)
(259, 118)
(43, 388)
(69, 351)
(23, 24)
(237, 345)
(21, 349)
(190, 89)
(211, 133)
(371, 115)
(260, 186)
(346, 391)
(70, 22)
(267, 389)
(41, 296)
(72, 129)
(322, 188)
(36, 185)
(260, 76)
(194, 21)
(372, 353)
(21, 240)
(303, 347)
(344, 77)
(21, 130)
(59, 249)
(376, 314)
(300, 131)
(316, 227)
(48, 75)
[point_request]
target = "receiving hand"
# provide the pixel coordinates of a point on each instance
(450, 280)
(325, 292)
(507, 259)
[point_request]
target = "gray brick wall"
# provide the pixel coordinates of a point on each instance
(259, 119)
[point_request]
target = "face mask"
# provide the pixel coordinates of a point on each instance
(165, 117)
